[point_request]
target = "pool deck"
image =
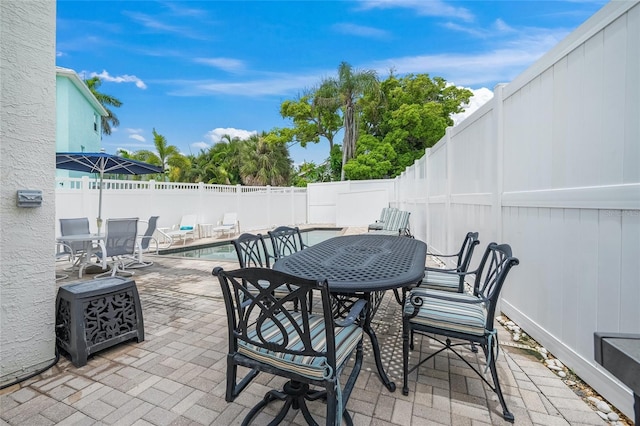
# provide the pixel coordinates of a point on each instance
(177, 375)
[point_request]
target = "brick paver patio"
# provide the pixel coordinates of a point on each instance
(177, 375)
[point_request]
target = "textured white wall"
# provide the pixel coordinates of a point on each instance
(27, 150)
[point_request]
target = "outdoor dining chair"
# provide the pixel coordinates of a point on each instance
(309, 349)
(451, 279)
(285, 240)
(119, 243)
(463, 317)
(252, 252)
(384, 217)
(74, 226)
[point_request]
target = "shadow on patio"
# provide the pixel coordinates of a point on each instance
(177, 375)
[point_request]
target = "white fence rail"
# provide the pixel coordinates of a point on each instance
(257, 207)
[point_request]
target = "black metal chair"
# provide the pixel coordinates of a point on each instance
(461, 316)
(285, 240)
(310, 349)
(252, 252)
(452, 279)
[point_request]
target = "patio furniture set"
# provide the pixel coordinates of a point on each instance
(274, 326)
(299, 311)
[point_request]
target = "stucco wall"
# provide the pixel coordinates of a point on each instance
(27, 149)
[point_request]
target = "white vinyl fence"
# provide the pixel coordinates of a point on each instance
(552, 166)
(258, 207)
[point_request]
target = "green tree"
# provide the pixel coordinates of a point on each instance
(348, 89)
(167, 156)
(374, 159)
(412, 114)
(314, 115)
(265, 162)
(107, 101)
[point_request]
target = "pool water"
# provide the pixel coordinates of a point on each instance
(227, 252)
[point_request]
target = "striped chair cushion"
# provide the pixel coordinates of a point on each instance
(347, 339)
(436, 280)
(469, 318)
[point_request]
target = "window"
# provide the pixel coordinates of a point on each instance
(96, 122)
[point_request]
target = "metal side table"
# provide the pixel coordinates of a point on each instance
(97, 314)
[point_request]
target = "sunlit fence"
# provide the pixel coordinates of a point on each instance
(258, 207)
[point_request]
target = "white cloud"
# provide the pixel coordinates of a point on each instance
(360, 30)
(277, 84)
(480, 97)
(421, 7)
(200, 145)
(216, 134)
(105, 76)
(225, 64)
(137, 137)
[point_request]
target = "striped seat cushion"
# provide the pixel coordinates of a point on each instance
(347, 339)
(437, 280)
(451, 315)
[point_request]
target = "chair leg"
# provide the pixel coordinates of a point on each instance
(508, 416)
(407, 334)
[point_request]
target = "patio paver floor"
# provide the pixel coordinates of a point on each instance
(177, 375)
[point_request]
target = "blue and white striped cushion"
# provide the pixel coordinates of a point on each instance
(469, 318)
(347, 339)
(444, 281)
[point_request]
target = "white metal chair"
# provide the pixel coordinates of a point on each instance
(142, 245)
(119, 244)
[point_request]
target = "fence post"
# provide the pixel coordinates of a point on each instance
(498, 113)
(293, 206)
(269, 206)
(448, 186)
(427, 194)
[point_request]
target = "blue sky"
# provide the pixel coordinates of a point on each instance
(195, 70)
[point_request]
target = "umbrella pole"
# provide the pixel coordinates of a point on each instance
(99, 220)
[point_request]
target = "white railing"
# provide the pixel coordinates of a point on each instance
(257, 207)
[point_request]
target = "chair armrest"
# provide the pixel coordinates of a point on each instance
(468, 300)
(353, 314)
(445, 270)
(442, 255)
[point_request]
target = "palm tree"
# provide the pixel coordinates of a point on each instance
(348, 88)
(166, 156)
(265, 163)
(106, 101)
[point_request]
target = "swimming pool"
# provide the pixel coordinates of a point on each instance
(226, 252)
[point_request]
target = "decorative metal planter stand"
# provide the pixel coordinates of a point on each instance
(97, 314)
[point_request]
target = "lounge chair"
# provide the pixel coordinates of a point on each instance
(228, 225)
(187, 227)
(397, 224)
(384, 217)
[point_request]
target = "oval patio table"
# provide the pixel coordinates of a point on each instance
(361, 266)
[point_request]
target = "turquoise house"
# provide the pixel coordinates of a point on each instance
(78, 116)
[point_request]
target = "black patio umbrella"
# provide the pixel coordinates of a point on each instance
(101, 163)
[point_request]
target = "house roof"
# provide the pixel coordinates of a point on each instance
(82, 87)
